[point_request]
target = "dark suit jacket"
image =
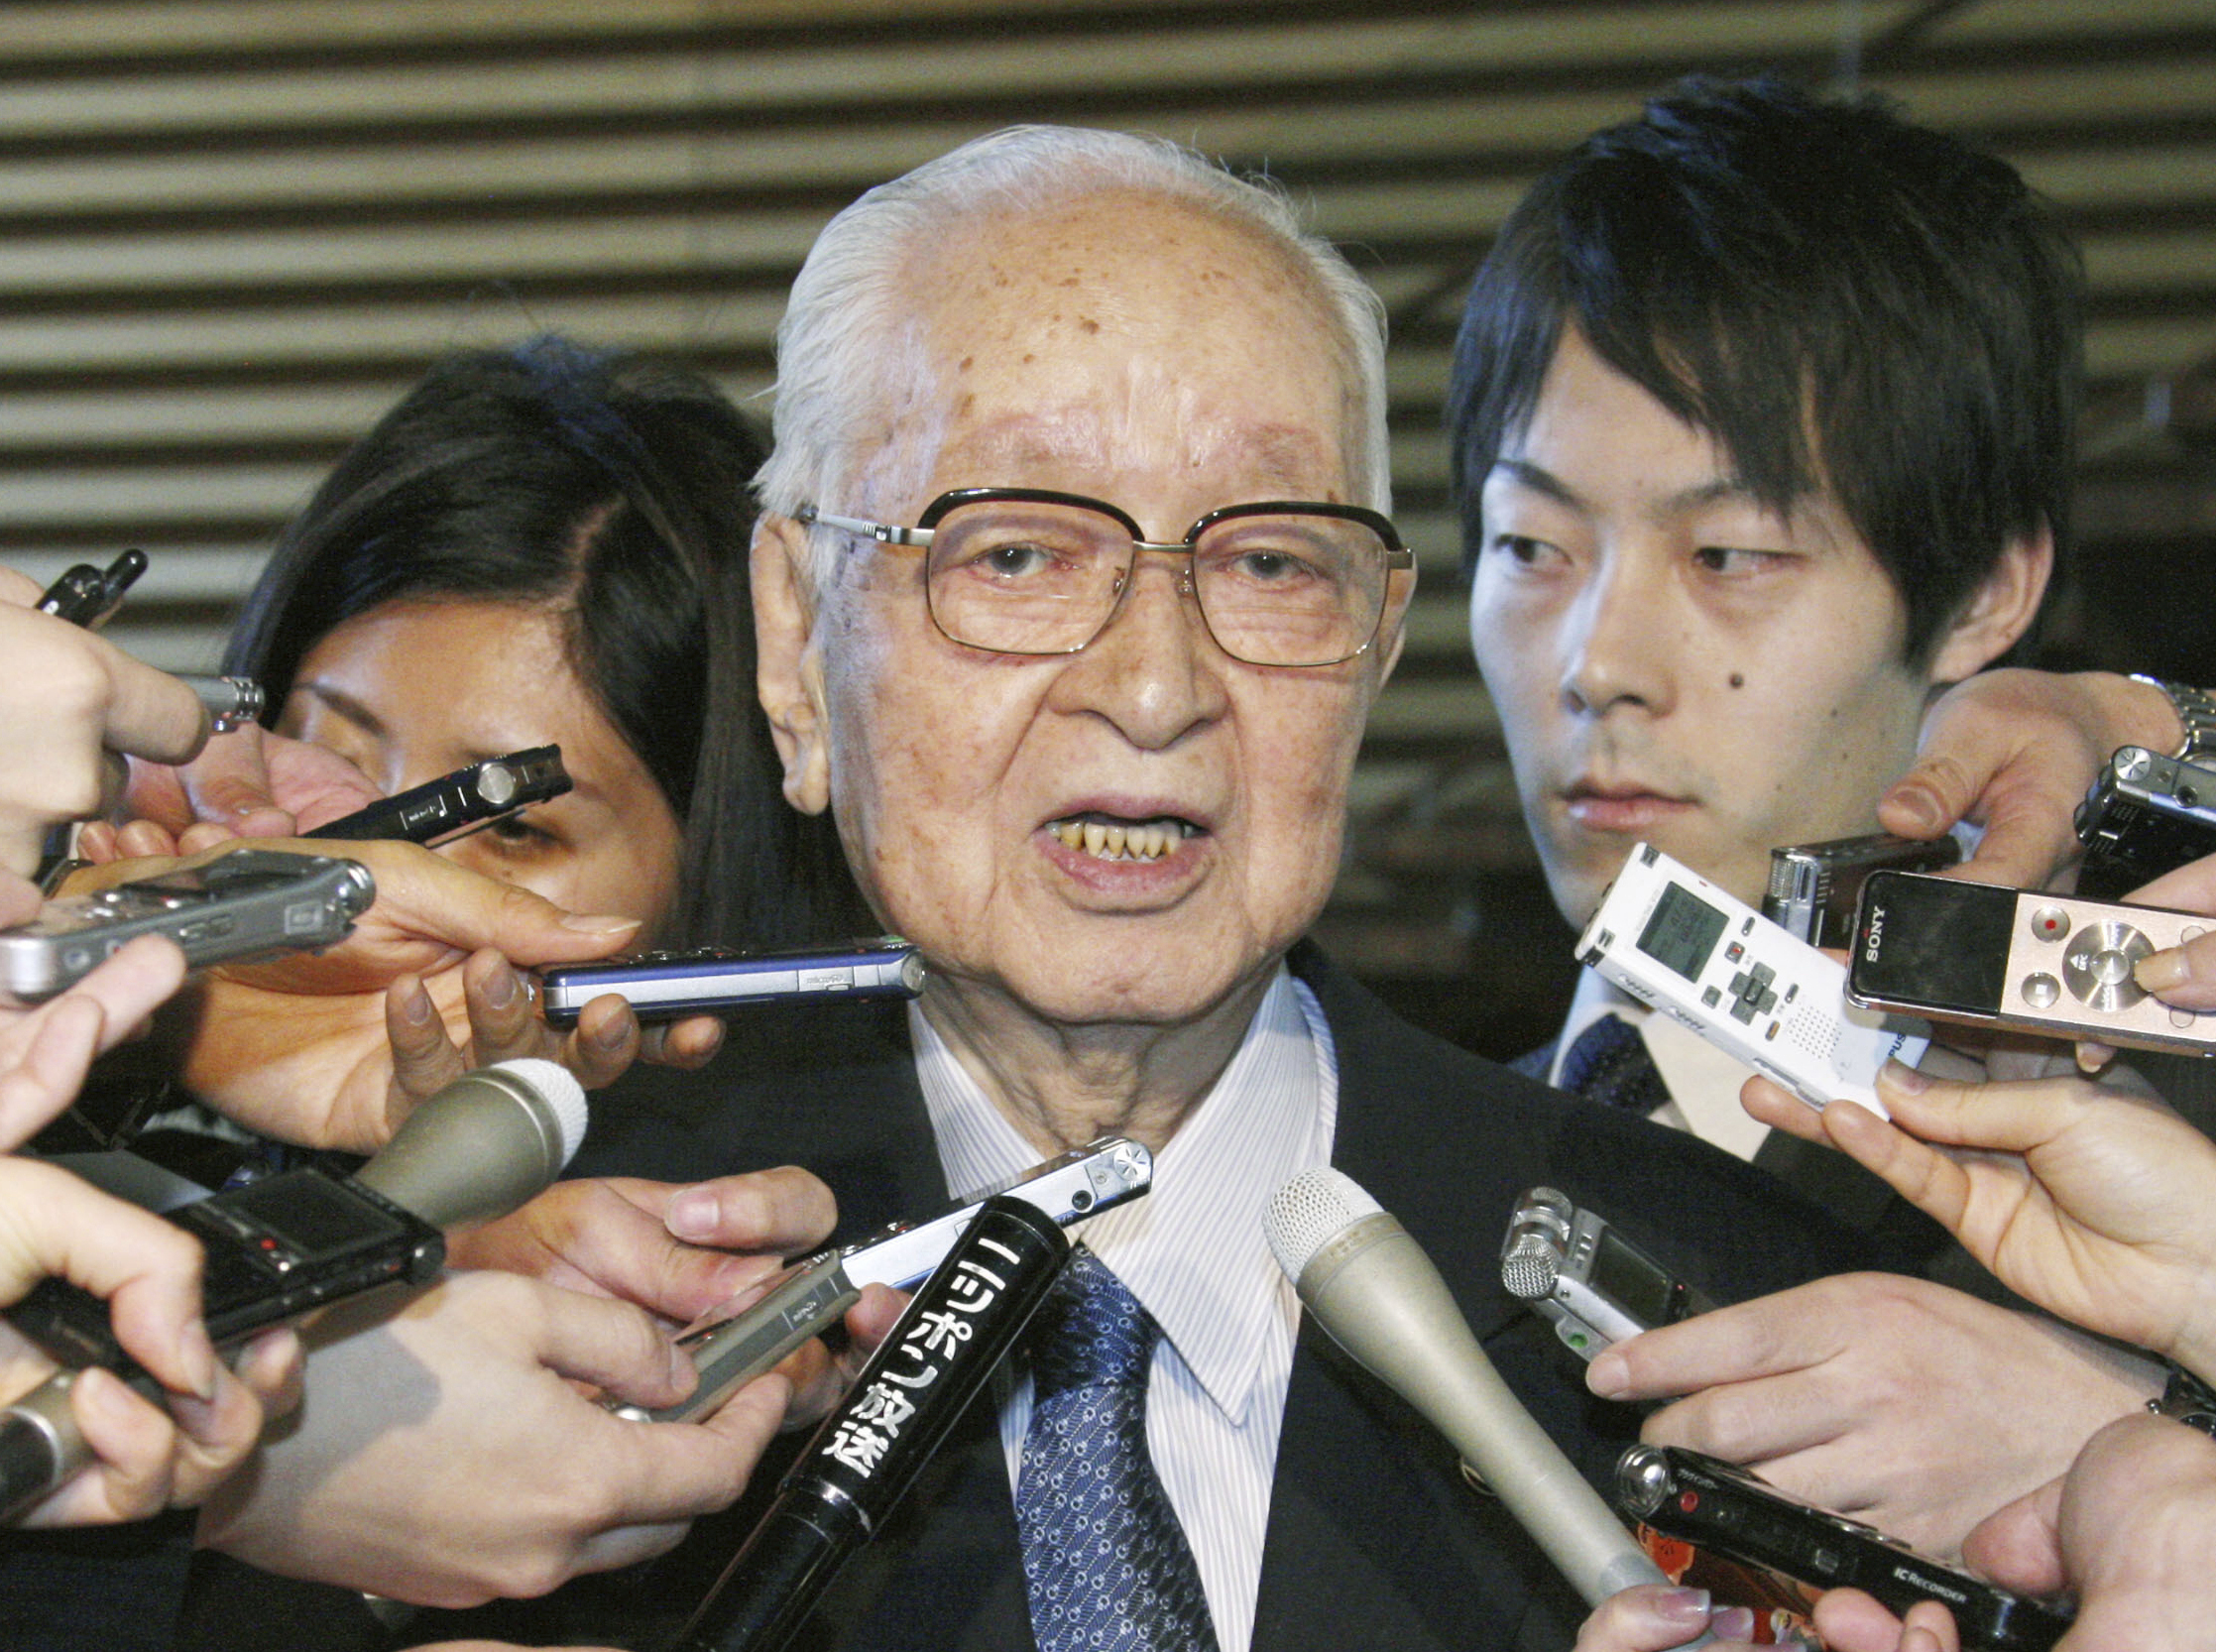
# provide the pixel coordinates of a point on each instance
(1373, 1538)
(1835, 1182)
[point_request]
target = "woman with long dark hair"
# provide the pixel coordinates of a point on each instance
(548, 545)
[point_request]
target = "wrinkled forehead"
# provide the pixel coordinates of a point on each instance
(1121, 333)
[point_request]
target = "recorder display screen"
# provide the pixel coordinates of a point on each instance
(1629, 1280)
(1682, 931)
(1932, 943)
(315, 1218)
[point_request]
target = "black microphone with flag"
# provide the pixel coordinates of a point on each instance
(1374, 1290)
(962, 1321)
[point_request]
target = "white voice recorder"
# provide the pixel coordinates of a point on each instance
(1672, 940)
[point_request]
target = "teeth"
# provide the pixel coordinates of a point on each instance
(1119, 842)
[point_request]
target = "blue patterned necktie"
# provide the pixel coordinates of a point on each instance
(1107, 1562)
(1608, 1063)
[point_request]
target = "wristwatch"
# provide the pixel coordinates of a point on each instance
(2196, 710)
(2188, 1400)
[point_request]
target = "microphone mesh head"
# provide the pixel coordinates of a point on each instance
(1530, 1268)
(558, 1087)
(1310, 1211)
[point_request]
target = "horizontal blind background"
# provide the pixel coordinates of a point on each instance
(233, 231)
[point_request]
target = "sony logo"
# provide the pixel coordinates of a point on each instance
(1877, 930)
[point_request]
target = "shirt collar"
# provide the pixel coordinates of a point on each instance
(1267, 1118)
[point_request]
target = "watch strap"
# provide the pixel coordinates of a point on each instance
(2196, 713)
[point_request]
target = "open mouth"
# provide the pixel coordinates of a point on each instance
(1109, 837)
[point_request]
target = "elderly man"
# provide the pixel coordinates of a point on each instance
(1074, 594)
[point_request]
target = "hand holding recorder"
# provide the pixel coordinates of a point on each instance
(74, 702)
(2020, 959)
(1913, 1407)
(469, 1386)
(472, 1386)
(2014, 752)
(235, 789)
(2130, 1530)
(147, 1272)
(280, 1248)
(247, 782)
(677, 1250)
(261, 1039)
(683, 1251)
(2092, 1203)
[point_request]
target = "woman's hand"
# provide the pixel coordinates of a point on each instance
(2090, 1202)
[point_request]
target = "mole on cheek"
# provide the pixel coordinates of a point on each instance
(1738, 680)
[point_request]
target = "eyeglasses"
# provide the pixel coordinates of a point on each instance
(1029, 571)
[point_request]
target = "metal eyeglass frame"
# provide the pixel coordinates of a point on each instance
(1396, 554)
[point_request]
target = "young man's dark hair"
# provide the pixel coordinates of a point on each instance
(1837, 297)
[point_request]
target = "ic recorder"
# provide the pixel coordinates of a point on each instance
(1672, 940)
(2022, 960)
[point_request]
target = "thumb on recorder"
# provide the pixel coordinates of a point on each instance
(54, 1225)
(480, 1147)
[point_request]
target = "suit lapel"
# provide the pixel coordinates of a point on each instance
(1373, 1537)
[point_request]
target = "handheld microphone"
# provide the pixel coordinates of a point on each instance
(478, 1149)
(491, 1140)
(869, 1450)
(1374, 1290)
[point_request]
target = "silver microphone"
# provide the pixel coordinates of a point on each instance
(1374, 1290)
(486, 1143)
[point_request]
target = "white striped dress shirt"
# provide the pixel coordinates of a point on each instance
(1193, 1254)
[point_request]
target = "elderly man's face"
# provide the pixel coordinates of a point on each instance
(1137, 352)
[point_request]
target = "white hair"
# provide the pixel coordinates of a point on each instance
(847, 341)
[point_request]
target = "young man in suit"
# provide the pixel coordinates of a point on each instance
(1762, 414)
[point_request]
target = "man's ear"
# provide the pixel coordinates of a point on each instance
(1400, 591)
(788, 670)
(1999, 611)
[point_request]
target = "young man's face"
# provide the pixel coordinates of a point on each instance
(1672, 661)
